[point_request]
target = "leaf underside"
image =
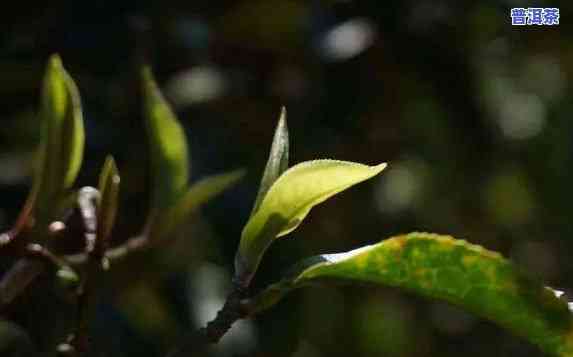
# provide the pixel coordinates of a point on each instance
(277, 162)
(289, 200)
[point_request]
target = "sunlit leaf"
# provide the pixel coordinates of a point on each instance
(289, 200)
(62, 145)
(197, 195)
(107, 209)
(168, 145)
(73, 136)
(441, 267)
(277, 162)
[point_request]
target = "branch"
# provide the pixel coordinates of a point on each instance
(133, 244)
(15, 281)
(78, 342)
(234, 309)
(231, 312)
(27, 269)
(35, 259)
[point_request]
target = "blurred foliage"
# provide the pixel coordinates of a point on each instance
(473, 115)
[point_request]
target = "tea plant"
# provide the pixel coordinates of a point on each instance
(435, 266)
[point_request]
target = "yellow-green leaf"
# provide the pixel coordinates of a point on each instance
(441, 267)
(289, 200)
(107, 209)
(168, 146)
(72, 134)
(277, 162)
(62, 146)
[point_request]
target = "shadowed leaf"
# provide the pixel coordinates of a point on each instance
(109, 181)
(277, 162)
(197, 195)
(168, 145)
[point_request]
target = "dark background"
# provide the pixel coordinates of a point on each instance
(474, 116)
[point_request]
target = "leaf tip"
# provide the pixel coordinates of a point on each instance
(380, 167)
(283, 116)
(111, 167)
(146, 73)
(55, 62)
(148, 80)
(282, 128)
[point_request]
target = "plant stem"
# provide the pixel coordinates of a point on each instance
(26, 270)
(15, 281)
(131, 245)
(87, 200)
(232, 311)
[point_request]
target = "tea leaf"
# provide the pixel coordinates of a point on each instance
(61, 150)
(197, 195)
(109, 190)
(289, 200)
(444, 268)
(168, 145)
(277, 162)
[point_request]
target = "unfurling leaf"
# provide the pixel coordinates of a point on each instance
(197, 195)
(289, 200)
(62, 146)
(107, 208)
(277, 162)
(168, 145)
(444, 268)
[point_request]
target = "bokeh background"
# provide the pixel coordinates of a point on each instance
(474, 116)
